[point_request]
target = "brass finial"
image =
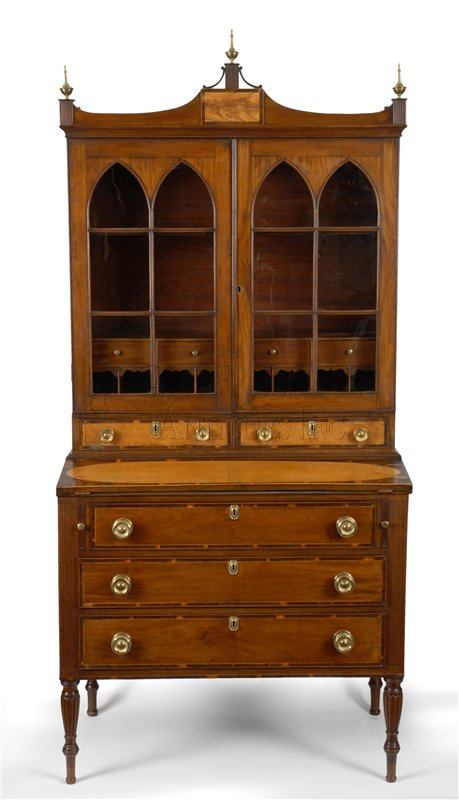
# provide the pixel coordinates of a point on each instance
(66, 89)
(399, 88)
(231, 53)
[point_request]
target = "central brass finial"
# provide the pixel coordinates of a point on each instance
(66, 89)
(399, 88)
(231, 53)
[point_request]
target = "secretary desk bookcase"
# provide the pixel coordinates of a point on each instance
(233, 504)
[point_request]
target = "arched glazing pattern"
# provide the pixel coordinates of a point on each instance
(348, 198)
(282, 280)
(118, 201)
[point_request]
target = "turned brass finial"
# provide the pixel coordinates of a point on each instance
(399, 88)
(66, 89)
(231, 53)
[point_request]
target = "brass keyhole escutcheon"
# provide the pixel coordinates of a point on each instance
(233, 623)
(344, 582)
(233, 566)
(234, 511)
(346, 526)
(121, 643)
(156, 427)
(121, 584)
(122, 528)
(343, 641)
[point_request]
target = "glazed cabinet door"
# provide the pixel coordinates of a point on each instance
(316, 274)
(151, 268)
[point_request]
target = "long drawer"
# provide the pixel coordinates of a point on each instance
(113, 434)
(233, 524)
(313, 433)
(234, 640)
(125, 583)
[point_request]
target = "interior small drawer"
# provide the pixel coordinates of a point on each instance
(125, 642)
(282, 352)
(113, 352)
(313, 433)
(185, 352)
(337, 352)
(110, 434)
(234, 524)
(243, 581)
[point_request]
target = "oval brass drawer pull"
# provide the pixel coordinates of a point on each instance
(107, 435)
(202, 434)
(343, 641)
(360, 434)
(121, 584)
(122, 528)
(346, 527)
(344, 582)
(264, 434)
(121, 643)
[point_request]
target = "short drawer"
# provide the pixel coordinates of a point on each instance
(185, 352)
(122, 352)
(235, 640)
(240, 581)
(282, 352)
(313, 433)
(110, 434)
(339, 352)
(232, 525)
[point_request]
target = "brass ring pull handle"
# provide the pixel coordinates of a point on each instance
(234, 511)
(360, 434)
(121, 643)
(264, 434)
(346, 527)
(121, 584)
(122, 528)
(343, 641)
(107, 435)
(233, 623)
(344, 582)
(202, 434)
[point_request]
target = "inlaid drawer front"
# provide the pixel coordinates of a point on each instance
(240, 581)
(232, 640)
(111, 352)
(185, 352)
(233, 524)
(110, 434)
(312, 433)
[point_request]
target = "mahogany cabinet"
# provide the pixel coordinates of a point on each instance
(233, 504)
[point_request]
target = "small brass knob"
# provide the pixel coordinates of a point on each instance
(343, 641)
(122, 528)
(343, 582)
(264, 434)
(346, 526)
(360, 434)
(107, 435)
(349, 351)
(233, 566)
(385, 523)
(121, 584)
(195, 353)
(117, 352)
(273, 352)
(202, 434)
(234, 511)
(121, 643)
(81, 526)
(233, 623)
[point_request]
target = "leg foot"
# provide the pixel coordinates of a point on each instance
(91, 688)
(70, 705)
(393, 699)
(375, 689)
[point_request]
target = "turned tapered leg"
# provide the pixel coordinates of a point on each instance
(70, 705)
(91, 688)
(393, 699)
(375, 689)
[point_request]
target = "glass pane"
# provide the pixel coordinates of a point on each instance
(282, 326)
(348, 199)
(118, 201)
(104, 382)
(282, 271)
(119, 272)
(353, 326)
(283, 200)
(346, 347)
(282, 362)
(176, 381)
(347, 270)
(332, 380)
(184, 272)
(182, 326)
(135, 382)
(183, 200)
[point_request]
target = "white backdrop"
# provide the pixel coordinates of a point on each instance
(141, 56)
